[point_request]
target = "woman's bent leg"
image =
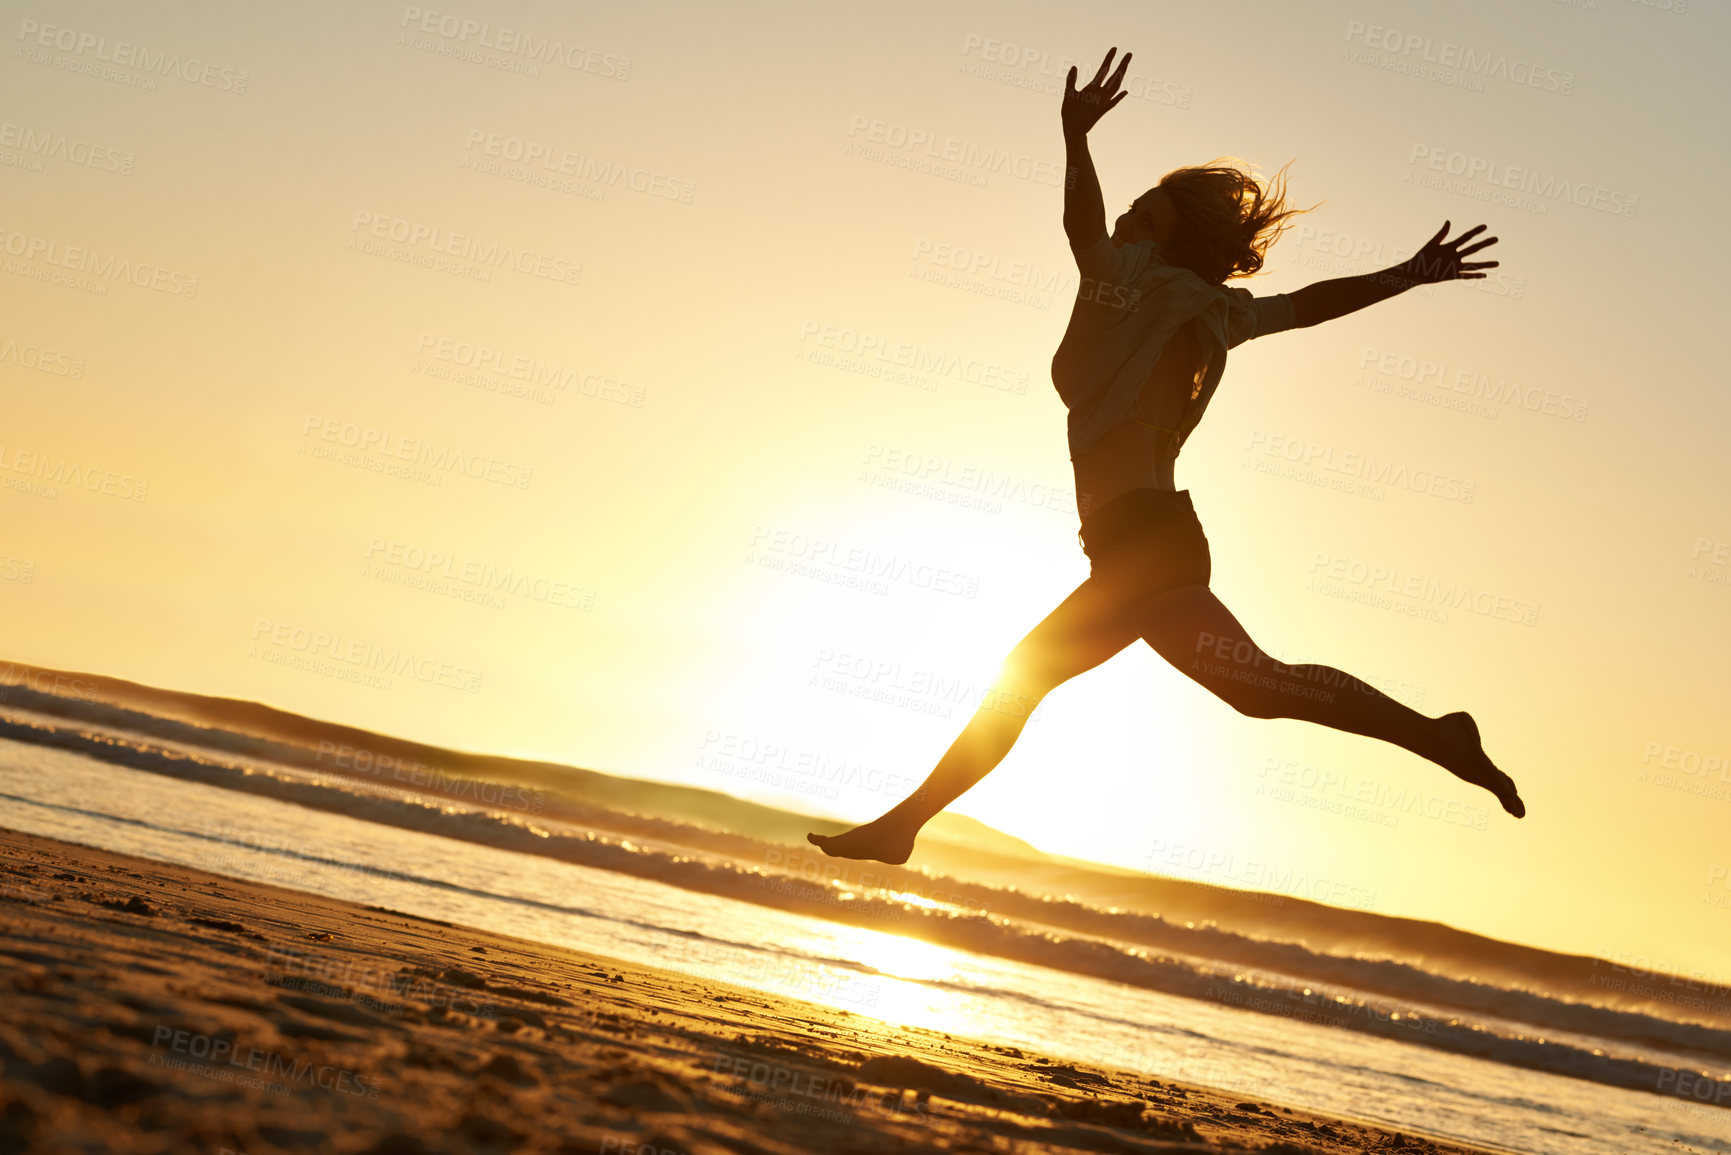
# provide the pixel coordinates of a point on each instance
(1194, 631)
(1088, 627)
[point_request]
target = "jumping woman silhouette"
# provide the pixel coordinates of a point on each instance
(1145, 347)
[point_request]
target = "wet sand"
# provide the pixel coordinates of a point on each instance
(156, 1008)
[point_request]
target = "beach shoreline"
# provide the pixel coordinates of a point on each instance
(154, 1007)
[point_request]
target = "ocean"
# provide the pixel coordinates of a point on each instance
(1272, 1038)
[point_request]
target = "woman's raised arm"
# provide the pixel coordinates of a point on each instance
(1084, 209)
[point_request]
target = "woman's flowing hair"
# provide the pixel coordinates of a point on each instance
(1227, 218)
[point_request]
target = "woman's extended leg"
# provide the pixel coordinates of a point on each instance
(1190, 628)
(1088, 627)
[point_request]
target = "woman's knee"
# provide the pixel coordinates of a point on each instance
(1030, 677)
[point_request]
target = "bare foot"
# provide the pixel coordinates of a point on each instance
(875, 840)
(1468, 761)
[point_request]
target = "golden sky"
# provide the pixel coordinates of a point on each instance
(664, 389)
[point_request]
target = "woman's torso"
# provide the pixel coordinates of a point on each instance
(1140, 456)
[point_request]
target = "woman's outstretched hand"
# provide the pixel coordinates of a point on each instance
(1441, 261)
(1084, 107)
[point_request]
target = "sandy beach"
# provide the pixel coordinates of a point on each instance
(154, 1008)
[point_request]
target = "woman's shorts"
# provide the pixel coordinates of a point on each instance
(1149, 539)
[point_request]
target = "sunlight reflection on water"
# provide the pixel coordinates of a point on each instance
(1274, 1058)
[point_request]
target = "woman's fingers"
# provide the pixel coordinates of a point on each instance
(1442, 261)
(1118, 76)
(1104, 65)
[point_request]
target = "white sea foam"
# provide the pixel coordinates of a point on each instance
(1687, 1060)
